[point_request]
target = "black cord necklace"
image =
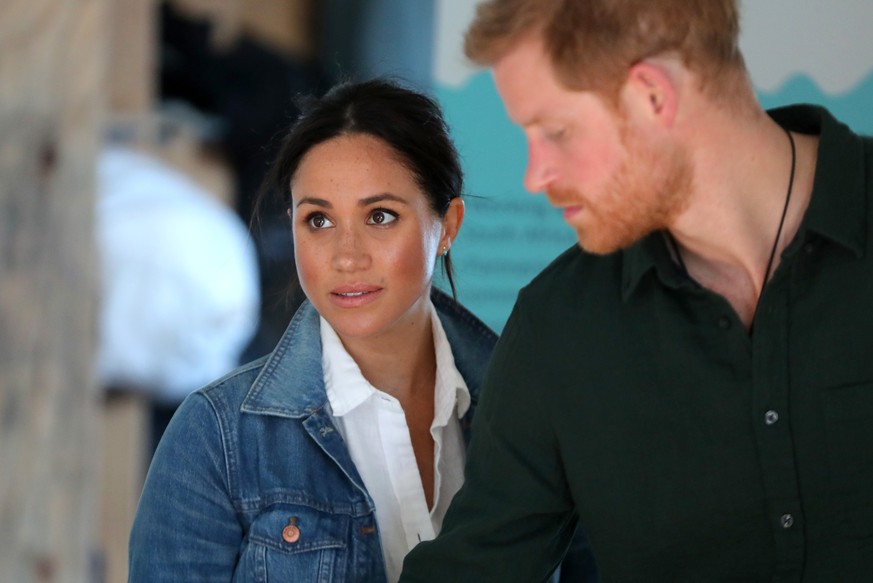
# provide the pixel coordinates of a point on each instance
(781, 221)
(778, 231)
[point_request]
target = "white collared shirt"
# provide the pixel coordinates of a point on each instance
(373, 425)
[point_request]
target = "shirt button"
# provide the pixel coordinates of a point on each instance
(724, 323)
(809, 248)
(786, 520)
(771, 417)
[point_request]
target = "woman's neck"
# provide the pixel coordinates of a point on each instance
(401, 363)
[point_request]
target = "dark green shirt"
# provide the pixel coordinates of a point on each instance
(624, 394)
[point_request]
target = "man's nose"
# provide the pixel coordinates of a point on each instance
(540, 171)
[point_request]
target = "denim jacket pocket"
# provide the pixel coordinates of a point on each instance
(289, 542)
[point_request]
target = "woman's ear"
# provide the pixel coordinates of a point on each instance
(452, 223)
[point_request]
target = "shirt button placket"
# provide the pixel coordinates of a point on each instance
(786, 521)
(771, 386)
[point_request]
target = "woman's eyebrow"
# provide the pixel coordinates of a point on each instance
(315, 201)
(366, 201)
(381, 197)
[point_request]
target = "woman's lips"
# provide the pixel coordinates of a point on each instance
(354, 296)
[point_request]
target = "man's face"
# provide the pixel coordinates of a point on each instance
(613, 184)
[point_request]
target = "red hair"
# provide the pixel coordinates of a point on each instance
(592, 43)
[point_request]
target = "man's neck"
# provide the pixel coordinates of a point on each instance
(727, 234)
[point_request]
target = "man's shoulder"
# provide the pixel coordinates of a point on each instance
(573, 274)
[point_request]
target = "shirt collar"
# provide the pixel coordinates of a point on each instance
(651, 253)
(837, 209)
(450, 386)
(345, 384)
(347, 388)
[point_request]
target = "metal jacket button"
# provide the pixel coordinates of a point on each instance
(291, 533)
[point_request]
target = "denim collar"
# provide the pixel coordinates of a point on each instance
(291, 382)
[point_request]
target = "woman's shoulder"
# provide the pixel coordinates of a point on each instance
(231, 389)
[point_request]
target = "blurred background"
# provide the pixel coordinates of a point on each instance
(134, 135)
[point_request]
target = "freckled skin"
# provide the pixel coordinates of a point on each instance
(366, 242)
(362, 224)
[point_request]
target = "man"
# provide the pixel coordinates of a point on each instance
(702, 361)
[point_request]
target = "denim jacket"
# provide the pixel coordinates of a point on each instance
(255, 453)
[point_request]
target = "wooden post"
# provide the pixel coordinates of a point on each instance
(51, 95)
(132, 40)
(133, 52)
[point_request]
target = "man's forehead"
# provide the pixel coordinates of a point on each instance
(525, 59)
(524, 79)
(532, 95)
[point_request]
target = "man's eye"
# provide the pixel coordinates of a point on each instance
(555, 135)
(318, 221)
(381, 217)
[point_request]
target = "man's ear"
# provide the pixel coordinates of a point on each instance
(651, 93)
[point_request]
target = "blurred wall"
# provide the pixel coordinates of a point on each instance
(368, 38)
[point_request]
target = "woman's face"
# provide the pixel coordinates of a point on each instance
(365, 237)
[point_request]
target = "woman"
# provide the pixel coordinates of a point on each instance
(330, 458)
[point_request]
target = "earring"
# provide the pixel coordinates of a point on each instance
(445, 250)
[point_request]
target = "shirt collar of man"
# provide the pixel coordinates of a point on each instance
(837, 210)
(347, 388)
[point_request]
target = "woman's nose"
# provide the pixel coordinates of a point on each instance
(350, 253)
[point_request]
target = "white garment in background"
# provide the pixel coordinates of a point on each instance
(373, 425)
(180, 284)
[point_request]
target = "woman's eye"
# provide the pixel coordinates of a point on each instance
(318, 221)
(381, 217)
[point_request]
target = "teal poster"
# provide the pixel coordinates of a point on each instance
(796, 51)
